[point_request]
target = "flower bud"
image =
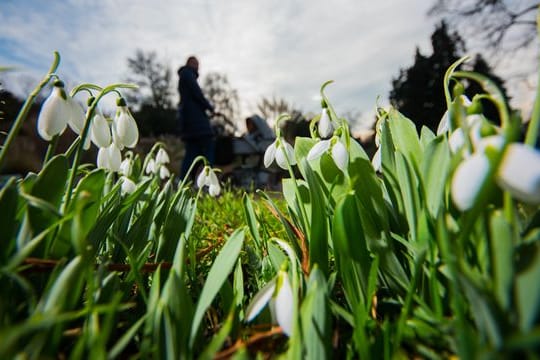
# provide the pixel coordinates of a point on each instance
(54, 114)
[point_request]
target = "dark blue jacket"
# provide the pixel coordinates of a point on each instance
(193, 121)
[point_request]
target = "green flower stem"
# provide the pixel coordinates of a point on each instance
(21, 117)
(84, 134)
(191, 168)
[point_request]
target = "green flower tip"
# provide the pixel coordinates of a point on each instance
(121, 101)
(58, 83)
(90, 100)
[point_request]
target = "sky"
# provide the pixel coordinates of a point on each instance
(266, 48)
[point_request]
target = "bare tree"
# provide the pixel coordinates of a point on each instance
(219, 91)
(153, 78)
(271, 108)
(503, 25)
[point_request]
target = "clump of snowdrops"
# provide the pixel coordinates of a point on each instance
(429, 249)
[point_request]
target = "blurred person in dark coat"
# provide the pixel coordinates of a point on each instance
(193, 122)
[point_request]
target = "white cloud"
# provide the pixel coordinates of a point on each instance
(266, 48)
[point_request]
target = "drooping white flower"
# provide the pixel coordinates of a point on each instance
(468, 179)
(278, 294)
(208, 177)
(340, 156)
(325, 128)
(284, 303)
(125, 167)
(164, 172)
(109, 158)
(318, 149)
(280, 151)
(54, 114)
(519, 173)
(338, 152)
(100, 131)
(151, 167)
(128, 186)
(126, 127)
(77, 119)
(162, 157)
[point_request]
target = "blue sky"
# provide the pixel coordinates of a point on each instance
(266, 47)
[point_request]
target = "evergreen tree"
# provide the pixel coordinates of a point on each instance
(418, 91)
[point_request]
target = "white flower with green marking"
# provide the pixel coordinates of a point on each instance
(325, 128)
(54, 114)
(335, 148)
(280, 151)
(208, 178)
(279, 294)
(127, 133)
(109, 158)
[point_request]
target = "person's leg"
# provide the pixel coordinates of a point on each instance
(209, 150)
(192, 150)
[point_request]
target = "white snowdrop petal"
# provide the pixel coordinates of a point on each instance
(128, 186)
(376, 161)
(125, 167)
(519, 173)
(444, 125)
(201, 179)
(260, 300)
(101, 133)
(284, 304)
(162, 157)
(270, 154)
(115, 158)
(340, 156)
(53, 116)
(318, 149)
(214, 190)
(126, 128)
(103, 158)
(150, 167)
(290, 153)
(77, 118)
(325, 127)
(456, 140)
(212, 179)
(281, 158)
(468, 179)
(164, 172)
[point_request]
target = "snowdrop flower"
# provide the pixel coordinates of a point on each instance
(208, 177)
(326, 129)
(280, 151)
(109, 158)
(279, 294)
(468, 179)
(338, 151)
(164, 172)
(125, 126)
(162, 157)
(54, 113)
(151, 167)
(519, 173)
(77, 118)
(100, 131)
(128, 186)
(125, 167)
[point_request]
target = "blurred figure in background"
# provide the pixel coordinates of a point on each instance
(193, 122)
